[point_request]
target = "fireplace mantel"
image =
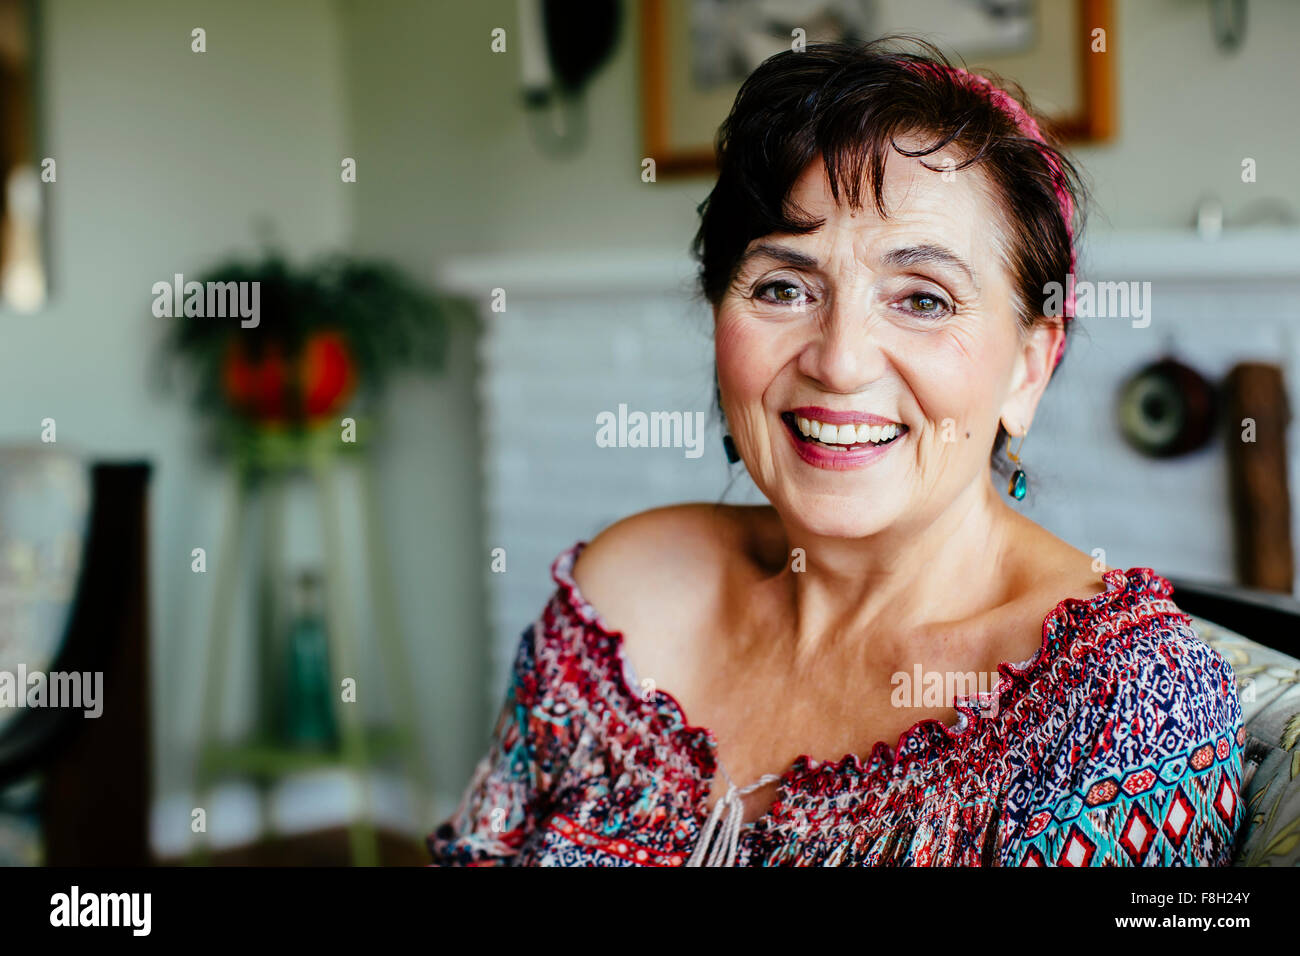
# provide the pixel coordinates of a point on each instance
(1248, 255)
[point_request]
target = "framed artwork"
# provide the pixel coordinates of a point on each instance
(696, 53)
(22, 215)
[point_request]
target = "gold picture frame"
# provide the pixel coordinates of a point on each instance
(679, 122)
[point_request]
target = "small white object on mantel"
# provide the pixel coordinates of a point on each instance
(1236, 255)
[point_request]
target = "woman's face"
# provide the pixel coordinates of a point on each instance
(906, 321)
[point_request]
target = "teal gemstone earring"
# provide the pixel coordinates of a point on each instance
(1019, 484)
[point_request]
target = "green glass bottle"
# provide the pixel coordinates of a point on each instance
(309, 697)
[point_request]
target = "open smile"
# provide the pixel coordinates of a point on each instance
(848, 441)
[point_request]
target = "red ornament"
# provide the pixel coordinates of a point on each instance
(256, 388)
(270, 390)
(326, 374)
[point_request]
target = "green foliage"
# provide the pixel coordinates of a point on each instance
(388, 320)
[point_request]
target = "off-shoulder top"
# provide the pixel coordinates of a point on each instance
(1118, 743)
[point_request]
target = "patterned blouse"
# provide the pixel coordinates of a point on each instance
(1117, 744)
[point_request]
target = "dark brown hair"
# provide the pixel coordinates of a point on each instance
(850, 104)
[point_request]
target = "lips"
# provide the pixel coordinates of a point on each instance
(832, 417)
(842, 438)
(839, 457)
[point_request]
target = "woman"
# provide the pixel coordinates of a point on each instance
(878, 251)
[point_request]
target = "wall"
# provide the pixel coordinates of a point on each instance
(165, 159)
(452, 168)
(1189, 114)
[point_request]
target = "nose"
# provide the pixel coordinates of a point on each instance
(844, 352)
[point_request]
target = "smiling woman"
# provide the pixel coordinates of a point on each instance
(871, 357)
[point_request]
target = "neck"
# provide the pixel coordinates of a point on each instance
(941, 568)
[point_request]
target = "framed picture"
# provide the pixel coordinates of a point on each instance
(22, 216)
(696, 53)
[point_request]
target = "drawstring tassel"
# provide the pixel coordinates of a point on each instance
(718, 845)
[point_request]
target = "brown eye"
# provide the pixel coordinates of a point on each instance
(782, 293)
(927, 304)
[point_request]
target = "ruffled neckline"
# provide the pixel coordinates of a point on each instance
(926, 738)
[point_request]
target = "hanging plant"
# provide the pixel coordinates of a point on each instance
(321, 335)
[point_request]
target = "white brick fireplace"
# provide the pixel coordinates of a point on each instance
(585, 332)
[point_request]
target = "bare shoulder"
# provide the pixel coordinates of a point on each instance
(1053, 569)
(662, 566)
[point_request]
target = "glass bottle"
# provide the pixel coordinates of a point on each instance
(309, 695)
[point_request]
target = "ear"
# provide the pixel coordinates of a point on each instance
(1035, 362)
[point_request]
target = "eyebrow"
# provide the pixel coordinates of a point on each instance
(790, 257)
(904, 257)
(930, 254)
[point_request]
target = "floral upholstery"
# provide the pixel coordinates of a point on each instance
(44, 505)
(1268, 682)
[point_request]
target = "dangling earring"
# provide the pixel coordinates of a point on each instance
(1019, 483)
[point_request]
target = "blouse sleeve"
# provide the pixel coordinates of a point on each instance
(1150, 773)
(507, 792)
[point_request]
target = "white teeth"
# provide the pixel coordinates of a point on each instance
(846, 434)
